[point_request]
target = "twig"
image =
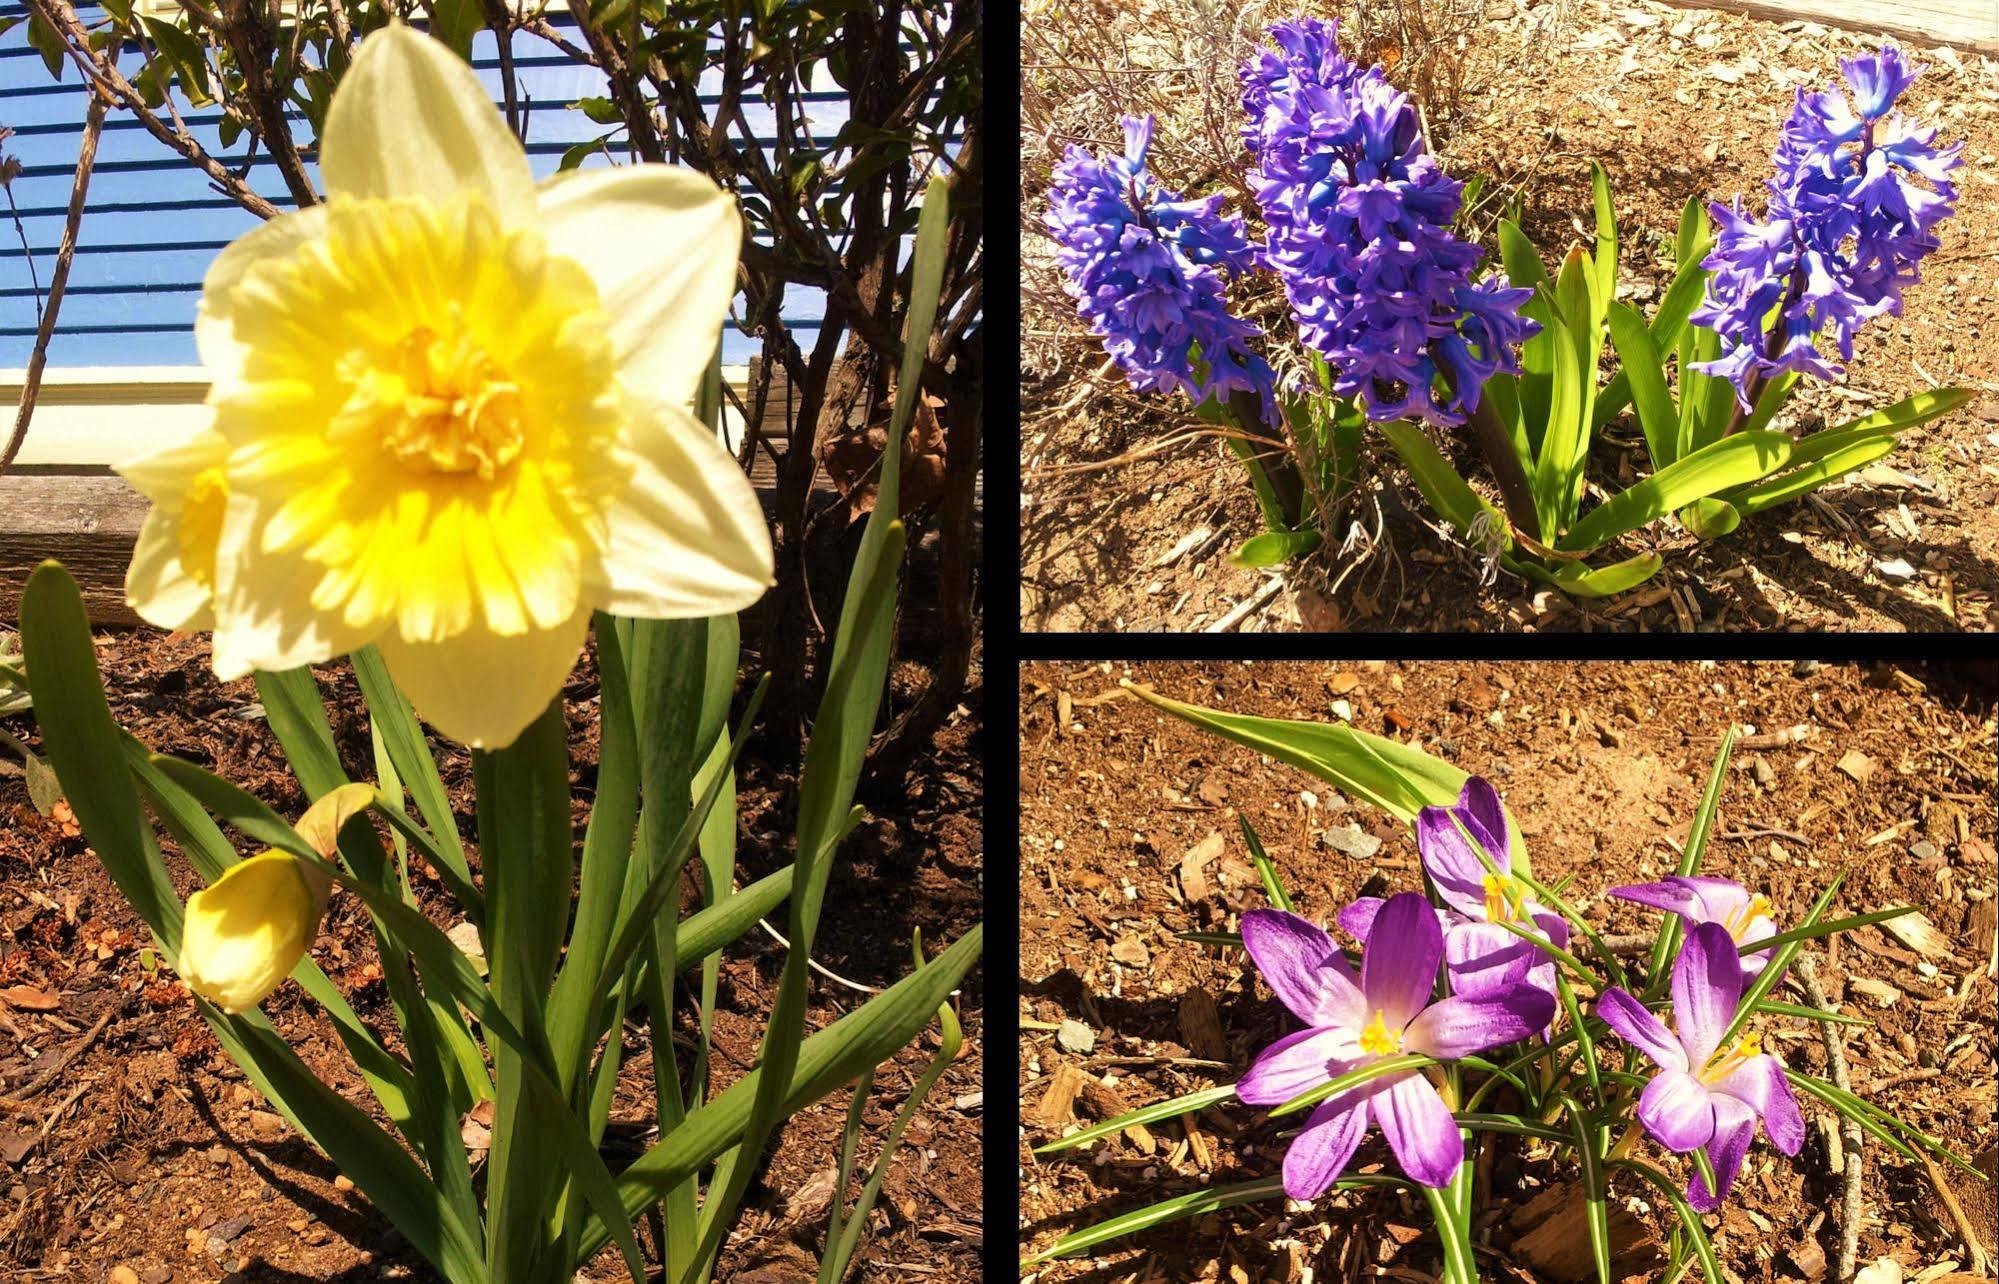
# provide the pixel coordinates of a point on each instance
(828, 973)
(1242, 609)
(86, 157)
(1981, 1262)
(62, 1063)
(1806, 972)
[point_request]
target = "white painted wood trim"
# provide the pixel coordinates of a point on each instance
(90, 417)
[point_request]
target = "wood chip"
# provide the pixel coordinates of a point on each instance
(1131, 952)
(29, 999)
(1058, 1104)
(1193, 867)
(1883, 994)
(1106, 1102)
(1857, 765)
(1201, 1026)
(1918, 933)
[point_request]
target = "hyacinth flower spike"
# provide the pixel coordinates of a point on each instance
(1846, 227)
(1480, 956)
(1353, 1021)
(1705, 1097)
(1744, 914)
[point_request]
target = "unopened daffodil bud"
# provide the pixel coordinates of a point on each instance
(246, 931)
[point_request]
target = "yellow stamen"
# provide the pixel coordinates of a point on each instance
(1502, 898)
(439, 404)
(1738, 923)
(1723, 1065)
(200, 528)
(1377, 1039)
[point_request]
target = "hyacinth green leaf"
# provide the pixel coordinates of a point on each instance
(1644, 368)
(1448, 494)
(1709, 518)
(1276, 547)
(1681, 298)
(1771, 400)
(1693, 232)
(1731, 462)
(1557, 463)
(1848, 457)
(1395, 777)
(1910, 411)
(1579, 580)
(1537, 354)
(1606, 239)
(1154, 1113)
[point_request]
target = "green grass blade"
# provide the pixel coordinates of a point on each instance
(1689, 1219)
(1193, 1204)
(1667, 943)
(1154, 1113)
(1266, 868)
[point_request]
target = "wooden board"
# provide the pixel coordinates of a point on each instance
(1962, 24)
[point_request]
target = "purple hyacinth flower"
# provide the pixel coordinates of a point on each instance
(1704, 1097)
(1354, 1020)
(1743, 914)
(1846, 227)
(1147, 270)
(1360, 217)
(1480, 956)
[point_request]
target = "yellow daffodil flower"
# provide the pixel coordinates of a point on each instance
(246, 931)
(455, 410)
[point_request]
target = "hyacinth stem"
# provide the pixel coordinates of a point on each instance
(1514, 491)
(1279, 468)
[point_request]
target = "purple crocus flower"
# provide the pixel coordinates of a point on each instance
(1147, 271)
(1845, 228)
(1479, 955)
(1745, 915)
(1352, 1021)
(1360, 219)
(1703, 1096)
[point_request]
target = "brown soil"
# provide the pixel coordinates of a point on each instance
(1602, 765)
(152, 1152)
(1121, 534)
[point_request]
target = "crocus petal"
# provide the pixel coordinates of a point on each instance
(661, 242)
(1668, 895)
(1460, 1026)
(1676, 1110)
(688, 537)
(1320, 1153)
(412, 120)
(1420, 1130)
(1760, 1084)
(1302, 967)
(1451, 861)
(1734, 1127)
(1638, 1027)
(452, 683)
(1399, 965)
(1297, 1062)
(1707, 986)
(1719, 897)
(1478, 802)
(1484, 958)
(1357, 919)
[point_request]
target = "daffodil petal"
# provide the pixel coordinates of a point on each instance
(157, 586)
(482, 689)
(688, 538)
(214, 329)
(245, 932)
(264, 616)
(412, 120)
(661, 242)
